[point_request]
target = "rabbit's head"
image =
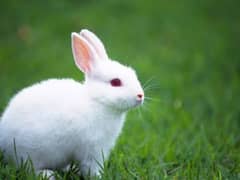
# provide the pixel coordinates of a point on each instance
(108, 82)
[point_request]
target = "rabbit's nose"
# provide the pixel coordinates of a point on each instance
(140, 97)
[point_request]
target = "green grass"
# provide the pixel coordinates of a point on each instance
(191, 130)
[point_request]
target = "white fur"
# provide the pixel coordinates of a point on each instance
(59, 120)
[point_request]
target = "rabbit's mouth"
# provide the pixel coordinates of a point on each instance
(138, 102)
(135, 102)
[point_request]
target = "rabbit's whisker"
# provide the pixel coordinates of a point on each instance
(149, 88)
(148, 81)
(152, 99)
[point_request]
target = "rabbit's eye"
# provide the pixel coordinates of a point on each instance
(116, 82)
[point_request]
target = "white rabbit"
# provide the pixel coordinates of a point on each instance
(59, 120)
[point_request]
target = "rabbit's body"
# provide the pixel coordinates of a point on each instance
(57, 121)
(61, 129)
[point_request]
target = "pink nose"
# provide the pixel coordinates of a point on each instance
(140, 96)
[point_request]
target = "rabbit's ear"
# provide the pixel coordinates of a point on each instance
(84, 54)
(95, 42)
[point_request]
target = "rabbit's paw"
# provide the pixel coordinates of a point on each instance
(46, 173)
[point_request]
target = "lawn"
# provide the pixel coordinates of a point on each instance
(187, 52)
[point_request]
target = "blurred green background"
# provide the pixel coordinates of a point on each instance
(190, 51)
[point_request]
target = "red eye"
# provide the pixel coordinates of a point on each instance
(116, 82)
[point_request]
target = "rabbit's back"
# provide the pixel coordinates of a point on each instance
(46, 97)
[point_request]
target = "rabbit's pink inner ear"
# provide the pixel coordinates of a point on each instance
(82, 54)
(95, 42)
